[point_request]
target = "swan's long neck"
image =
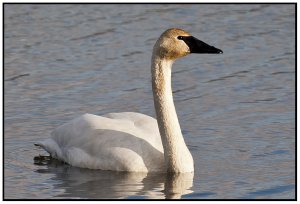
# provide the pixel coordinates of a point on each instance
(177, 156)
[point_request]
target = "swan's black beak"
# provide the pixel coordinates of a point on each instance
(198, 46)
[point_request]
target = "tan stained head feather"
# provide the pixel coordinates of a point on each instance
(168, 46)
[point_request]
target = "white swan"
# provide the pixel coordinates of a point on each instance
(132, 141)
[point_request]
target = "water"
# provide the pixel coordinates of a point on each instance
(236, 110)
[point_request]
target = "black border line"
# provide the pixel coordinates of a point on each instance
(3, 88)
(150, 3)
(3, 48)
(296, 47)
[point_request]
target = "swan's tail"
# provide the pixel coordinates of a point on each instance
(51, 147)
(39, 145)
(41, 160)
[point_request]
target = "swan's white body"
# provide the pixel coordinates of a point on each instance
(117, 141)
(132, 141)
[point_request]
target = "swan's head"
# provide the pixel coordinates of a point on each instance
(175, 43)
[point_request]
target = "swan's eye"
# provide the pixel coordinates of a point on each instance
(180, 38)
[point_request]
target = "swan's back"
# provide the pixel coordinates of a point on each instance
(117, 141)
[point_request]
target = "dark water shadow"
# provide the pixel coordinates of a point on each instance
(16, 77)
(79, 183)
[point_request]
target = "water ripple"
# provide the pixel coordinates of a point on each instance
(269, 191)
(94, 34)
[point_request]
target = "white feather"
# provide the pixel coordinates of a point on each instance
(117, 141)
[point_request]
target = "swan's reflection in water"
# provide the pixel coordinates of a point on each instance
(97, 184)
